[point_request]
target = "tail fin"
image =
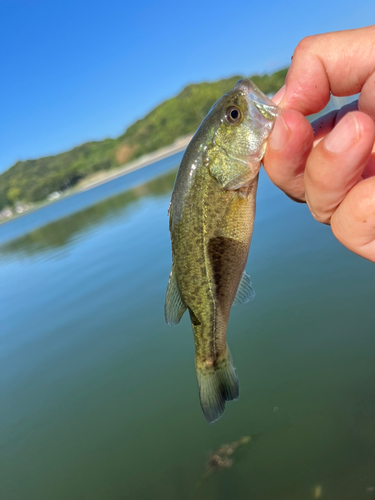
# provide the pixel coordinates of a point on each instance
(217, 383)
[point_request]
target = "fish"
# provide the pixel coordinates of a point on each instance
(211, 219)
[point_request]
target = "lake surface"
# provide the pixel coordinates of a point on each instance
(98, 395)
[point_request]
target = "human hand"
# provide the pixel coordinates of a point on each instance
(331, 164)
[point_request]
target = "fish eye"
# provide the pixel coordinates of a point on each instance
(233, 115)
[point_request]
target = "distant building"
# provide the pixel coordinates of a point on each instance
(6, 213)
(54, 195)
(21, 207)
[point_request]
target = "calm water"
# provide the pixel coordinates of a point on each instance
(99, 398)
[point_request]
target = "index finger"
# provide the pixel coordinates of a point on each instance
(340, 62)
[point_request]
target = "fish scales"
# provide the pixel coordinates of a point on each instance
(209, 248)
(211, 222)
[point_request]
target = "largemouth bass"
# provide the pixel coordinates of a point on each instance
(211, 218)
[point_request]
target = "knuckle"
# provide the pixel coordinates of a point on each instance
(362, 201)
(305, 45)
(320, 214)
(298, 199)
(322, 218)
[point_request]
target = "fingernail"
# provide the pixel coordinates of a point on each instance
(280, 134)
(344, 135)
(277, 98)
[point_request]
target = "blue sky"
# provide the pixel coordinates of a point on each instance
(74, 71)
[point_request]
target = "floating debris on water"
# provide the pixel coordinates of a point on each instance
(222, 457)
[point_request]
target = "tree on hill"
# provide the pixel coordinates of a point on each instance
(33, 180)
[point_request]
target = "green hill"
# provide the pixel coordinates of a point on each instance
(32, 180)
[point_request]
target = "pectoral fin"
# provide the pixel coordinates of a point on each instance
(174, 307)
(236, 174)
(245, 291)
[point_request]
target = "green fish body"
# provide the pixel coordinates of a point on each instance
(212, 215)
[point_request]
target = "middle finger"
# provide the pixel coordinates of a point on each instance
(336, 164)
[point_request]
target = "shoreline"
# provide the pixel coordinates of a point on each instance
(145, 160)
(104, 176)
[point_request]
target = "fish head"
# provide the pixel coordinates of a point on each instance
(242, 122)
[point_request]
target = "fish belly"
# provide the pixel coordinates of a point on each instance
(210, 245)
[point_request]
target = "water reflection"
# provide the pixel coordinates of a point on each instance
(100, 396)
(62, 232)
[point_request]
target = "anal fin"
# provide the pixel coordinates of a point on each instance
(245, 291)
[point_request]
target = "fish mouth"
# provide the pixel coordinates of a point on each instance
(258, 101)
